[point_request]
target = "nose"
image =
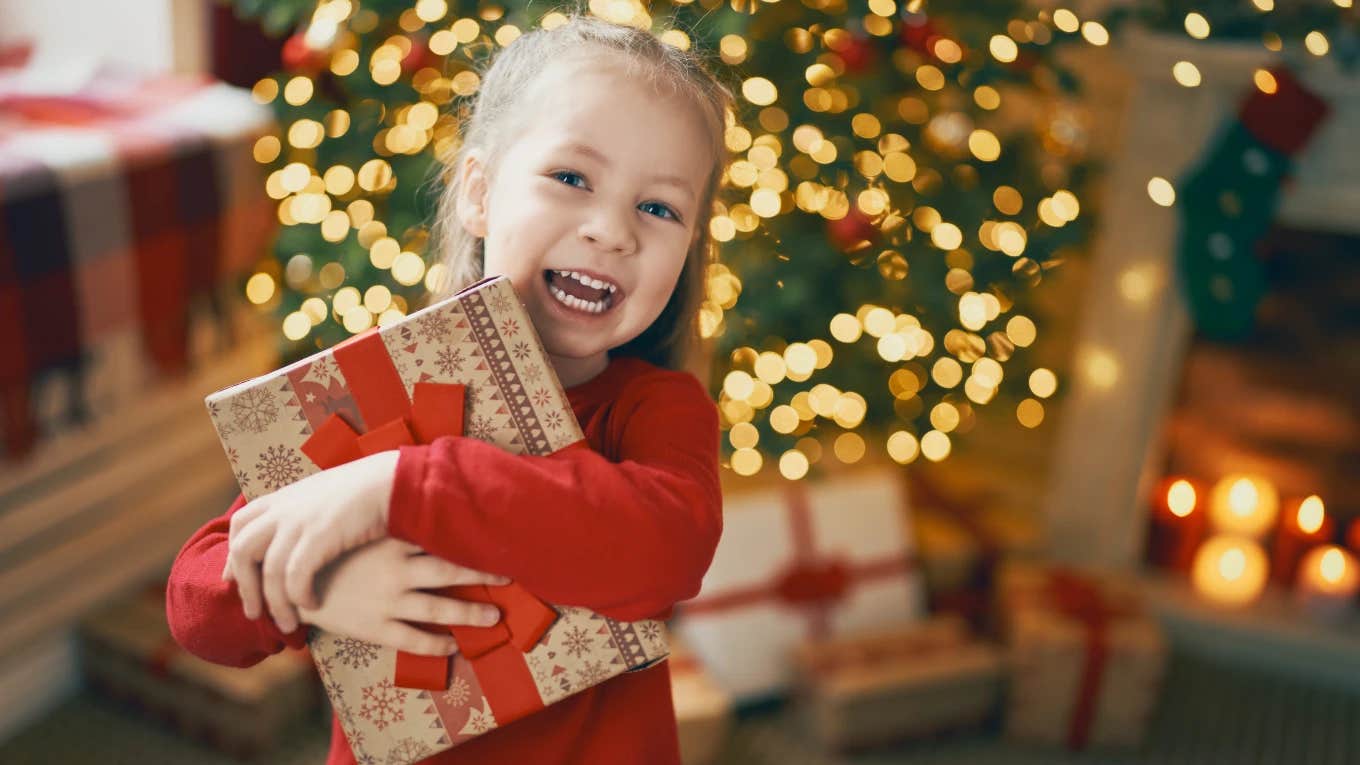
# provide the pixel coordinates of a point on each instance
(609, 229)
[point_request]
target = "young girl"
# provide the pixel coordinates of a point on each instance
(586, 175)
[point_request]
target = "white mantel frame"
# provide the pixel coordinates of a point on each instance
(1135, 324)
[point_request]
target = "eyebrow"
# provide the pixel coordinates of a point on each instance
(670, 180)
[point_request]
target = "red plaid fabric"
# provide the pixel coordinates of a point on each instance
(123, 207)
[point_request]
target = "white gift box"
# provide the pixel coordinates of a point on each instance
(797, 561)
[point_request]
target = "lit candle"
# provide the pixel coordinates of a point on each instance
(1229, 570)
(1243, 505)
(1178, 524)
(1307, 526)
(1329, 578)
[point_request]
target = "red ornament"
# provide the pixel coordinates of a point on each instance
(1024, 61)
(419, 57)
(300, 57)
(853, 232)
(919, 33)
(857, 53)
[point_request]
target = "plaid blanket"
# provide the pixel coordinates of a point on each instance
(124, 208)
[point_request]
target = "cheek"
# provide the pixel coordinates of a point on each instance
(661, 285)
(509, 244)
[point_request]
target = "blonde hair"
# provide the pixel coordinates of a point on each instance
(486, 128)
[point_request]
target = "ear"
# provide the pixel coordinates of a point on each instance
(473, 192)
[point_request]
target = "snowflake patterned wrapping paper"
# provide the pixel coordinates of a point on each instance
(397, 385)
(809, 559)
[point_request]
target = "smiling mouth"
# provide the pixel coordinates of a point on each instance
(582, 292)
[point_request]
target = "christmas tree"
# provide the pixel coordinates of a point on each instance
(900, 177)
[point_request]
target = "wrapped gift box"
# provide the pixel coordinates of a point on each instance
(1086, 659)
(470, 365)
(799, 560)
(703, 710)
(127, 651)
(898, 683)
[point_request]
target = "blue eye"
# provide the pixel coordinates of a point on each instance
(674, 215)
(560, 173)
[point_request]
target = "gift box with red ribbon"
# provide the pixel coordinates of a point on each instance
(898, 683)
(472, 366)
(800, 560)
(1086, 658)
(127, 652)
(703, 710)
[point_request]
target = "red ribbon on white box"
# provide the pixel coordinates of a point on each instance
(810, 582)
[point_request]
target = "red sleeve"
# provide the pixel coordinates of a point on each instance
(205, 613)
(626, 539)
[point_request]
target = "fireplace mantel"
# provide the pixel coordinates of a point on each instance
(1135, 323)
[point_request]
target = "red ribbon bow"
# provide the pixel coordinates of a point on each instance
(436, 409)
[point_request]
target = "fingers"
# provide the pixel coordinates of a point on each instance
(243, 559)
(276, 597)
(433, 609)
(243, 518)
(247, 586)
(312, 552)
(239, 521)
(404, 637)
(426, 571)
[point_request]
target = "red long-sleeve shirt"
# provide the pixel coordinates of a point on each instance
(626, 528)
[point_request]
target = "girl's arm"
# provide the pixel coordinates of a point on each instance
(204, 612)
(627, 539)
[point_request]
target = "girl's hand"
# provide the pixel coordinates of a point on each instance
(369, 592)
(278, 542)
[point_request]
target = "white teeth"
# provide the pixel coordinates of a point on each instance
(589, 281)
(577, 303)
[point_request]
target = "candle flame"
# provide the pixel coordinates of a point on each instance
(1180, 498)
(1332, 566)
(1311, 513)
(1243, 497)
(1232, 564)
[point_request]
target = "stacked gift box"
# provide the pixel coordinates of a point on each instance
(127, 651)
(886, 685)
(703, 710)
(1086, 657)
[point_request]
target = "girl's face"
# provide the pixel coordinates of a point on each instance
(592, 210)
